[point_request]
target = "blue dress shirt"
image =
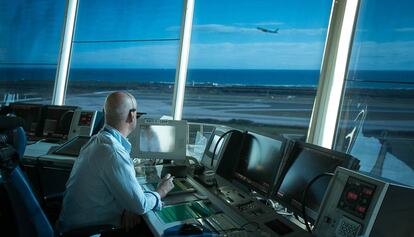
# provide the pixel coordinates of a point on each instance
(102, 184)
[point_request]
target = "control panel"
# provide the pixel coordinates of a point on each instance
(357, 204)
(356, 197)
(233, 196)
(83, 123)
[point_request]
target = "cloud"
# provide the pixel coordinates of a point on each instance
(262, 23)
(406, 29)
(217, 28)
(144, 56)
(370, 55)
(269, 23)
(367, 55)
(296, 31)
(223, 28)
(220, 28)
(214, 55)
(273, 55)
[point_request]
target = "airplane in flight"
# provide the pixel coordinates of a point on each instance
(267, 30)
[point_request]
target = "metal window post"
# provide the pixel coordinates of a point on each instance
(333, 72)
(182, 64)
(61, 78)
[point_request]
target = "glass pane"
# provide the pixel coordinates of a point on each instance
(30, 34)
(255, 65)
(129, 46)
(377, 114)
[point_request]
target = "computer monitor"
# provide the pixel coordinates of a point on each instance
(159, 139)
(57, 120)
(31, 114)
(259, 162)
(211, 144)
(302, 164)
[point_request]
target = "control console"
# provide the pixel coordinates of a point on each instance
(358, 204)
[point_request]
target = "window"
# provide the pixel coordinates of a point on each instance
(125, 45)
(377, 112)
(255, 64)
(29, 47)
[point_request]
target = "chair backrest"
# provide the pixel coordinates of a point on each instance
(30, 218)
(12, 132)
(18, 141)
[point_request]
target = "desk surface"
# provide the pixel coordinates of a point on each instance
(254, 218)
(244, 219)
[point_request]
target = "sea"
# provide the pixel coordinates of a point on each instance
(226, 77)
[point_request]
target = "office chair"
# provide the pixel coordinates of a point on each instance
(29, 218)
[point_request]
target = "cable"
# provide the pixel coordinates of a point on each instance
(36, 142)
(303, 201)
(218, 142)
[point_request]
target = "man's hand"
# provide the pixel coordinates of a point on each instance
(165, 185)
(129, 220)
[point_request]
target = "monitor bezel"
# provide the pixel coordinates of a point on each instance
(181, 137)
(348, 161)
(207, 154)
(245, 184)
(39, 121)
(45, 114)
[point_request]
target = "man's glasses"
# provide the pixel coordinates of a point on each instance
(132, 110)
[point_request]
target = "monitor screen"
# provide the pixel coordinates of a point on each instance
(259, 162)
(31, 113)
(159, 139)
(211, 144)
(156, 138)
(57, 120)
(303, 163)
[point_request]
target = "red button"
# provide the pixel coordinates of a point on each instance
(352, 196)
(361, 209)
(367, 191)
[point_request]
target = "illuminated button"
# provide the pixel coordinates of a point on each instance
(367, 191)
(361, 209)
(351, 196)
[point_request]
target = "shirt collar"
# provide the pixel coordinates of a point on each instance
(118, 136)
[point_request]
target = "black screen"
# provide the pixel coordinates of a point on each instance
(31, 114)
(259, 162)
(304, 163)
(57, 120)
(72, 147)
(209, 149)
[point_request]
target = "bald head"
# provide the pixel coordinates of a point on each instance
(118, 113)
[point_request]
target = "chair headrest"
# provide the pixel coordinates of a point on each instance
(8, 123)
(11, 132)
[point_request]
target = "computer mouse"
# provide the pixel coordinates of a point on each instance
(190, 229)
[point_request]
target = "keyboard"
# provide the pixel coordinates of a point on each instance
(221, 223)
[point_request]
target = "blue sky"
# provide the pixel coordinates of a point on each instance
(224, 33)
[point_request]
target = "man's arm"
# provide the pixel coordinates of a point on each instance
(119, 176)
(165, 186)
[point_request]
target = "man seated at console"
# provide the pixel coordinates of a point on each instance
(102, 187)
